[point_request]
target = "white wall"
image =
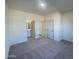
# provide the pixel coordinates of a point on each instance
(7, 46)
(17, 29)
(14, 27)
(67, 25)
(57, 26)
(17, 25)
(56, 17)
(37, 29)
(38, 26)
(63, 25)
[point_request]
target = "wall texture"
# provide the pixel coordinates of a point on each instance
(67, 26)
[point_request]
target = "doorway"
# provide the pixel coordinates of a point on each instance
(30, 24)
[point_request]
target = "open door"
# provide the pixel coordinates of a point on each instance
(33, 29)
(30, 29)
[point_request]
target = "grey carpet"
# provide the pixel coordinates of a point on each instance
(41, 49)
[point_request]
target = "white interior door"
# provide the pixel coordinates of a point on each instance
(50, 29)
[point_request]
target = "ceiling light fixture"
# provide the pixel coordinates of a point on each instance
(42, 4)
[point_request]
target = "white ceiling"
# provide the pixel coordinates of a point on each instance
(33, 7)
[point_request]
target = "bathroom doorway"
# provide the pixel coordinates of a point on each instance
(30, 24)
